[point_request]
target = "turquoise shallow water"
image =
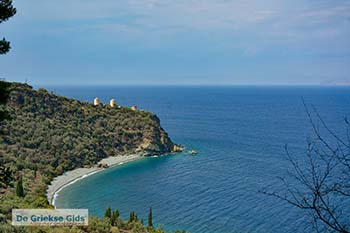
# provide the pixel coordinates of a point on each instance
(240, 133)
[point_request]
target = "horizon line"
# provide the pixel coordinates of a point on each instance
(38, 85)
(188, 85)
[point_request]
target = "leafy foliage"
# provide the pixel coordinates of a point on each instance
(19, 188)
(4, 46)
(48, 135)
(5, 92)
(132, 225)
(108, 213)
(150, 217)
(6, 176)
(6, 11)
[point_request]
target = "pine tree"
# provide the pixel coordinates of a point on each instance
(115, 216)
(117, 213)
(6, 12)
(133, 217)
(19, 188)
(150, 221)
(108, 213)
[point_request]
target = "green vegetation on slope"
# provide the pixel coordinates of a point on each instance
(47, 135)
(51, 134)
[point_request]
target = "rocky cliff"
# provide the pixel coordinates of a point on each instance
(53, 134)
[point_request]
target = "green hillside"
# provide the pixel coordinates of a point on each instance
(47, 135)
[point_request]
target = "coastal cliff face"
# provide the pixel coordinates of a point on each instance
(54, 134)
(48, 135)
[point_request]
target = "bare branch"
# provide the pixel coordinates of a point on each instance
(322, 183)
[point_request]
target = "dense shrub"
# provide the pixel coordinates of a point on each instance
(47, 135)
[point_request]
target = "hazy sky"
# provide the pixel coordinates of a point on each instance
(178, 42)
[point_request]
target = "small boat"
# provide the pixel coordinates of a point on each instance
(193, 152)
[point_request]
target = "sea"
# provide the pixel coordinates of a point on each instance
(240, 134)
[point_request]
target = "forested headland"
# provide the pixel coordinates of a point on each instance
(45, 135)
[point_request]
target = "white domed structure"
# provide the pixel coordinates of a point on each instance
(96, 101)
(112, 103)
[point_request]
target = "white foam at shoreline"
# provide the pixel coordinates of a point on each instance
(72, 182)
(75, 175)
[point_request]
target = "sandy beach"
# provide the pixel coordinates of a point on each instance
(70, 177)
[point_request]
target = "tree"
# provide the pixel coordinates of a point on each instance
(150, 216)
(6, 12)
(108, 213)
(19, 188)
(116, 213)
(115, 216)
(4, 95)
(6, 176)
(133, 217)
(321, 187)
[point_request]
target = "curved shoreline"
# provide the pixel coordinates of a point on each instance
(55, 194)
(70, 177)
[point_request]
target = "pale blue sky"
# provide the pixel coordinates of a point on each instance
(208, 42)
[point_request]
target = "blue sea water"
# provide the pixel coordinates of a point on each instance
(240, 133)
